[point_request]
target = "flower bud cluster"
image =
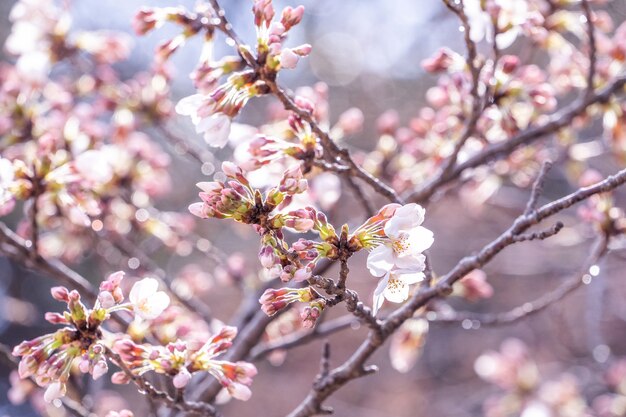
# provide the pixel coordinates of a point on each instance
(50, 358)
(274, 300)
(271, 35)
(312, 312)
(214, 107)
(181, 359)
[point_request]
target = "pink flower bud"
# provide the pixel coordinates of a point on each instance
(509, 63)
(99, 369)
(55, 318)
(302, 50)
(182, 378)
(291, 16)
(197, 209)
(144, 21)
(54, 391)
(84, 366)
(351, 121)
(388, 122)
(106, 299)
(60, 294)
(441, 61)
(231, 170)
(302, 275)
(120, 378)
(288, 59)
(277, 29)
(267, 257)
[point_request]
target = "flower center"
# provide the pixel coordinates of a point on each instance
(401, 245)
(394, 285)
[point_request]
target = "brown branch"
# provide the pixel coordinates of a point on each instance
(303, 337)
(537, 189)
(17, 249)
(339, 154)
(555, 122)
(533, 307)
(477, 103)
(353, 304)
(355, 366)
(541, 235)
(591, 35)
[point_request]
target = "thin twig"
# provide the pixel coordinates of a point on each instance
(355, 366)
(537, 189)
(303, 337)
(477, 103)
(591, 35)
(532, 307)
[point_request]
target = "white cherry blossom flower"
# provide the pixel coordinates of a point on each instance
(406, 242)
(147, 301)
(394, 287)
(214, 126)
(512, 15)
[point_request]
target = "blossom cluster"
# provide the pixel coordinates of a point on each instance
(80, 159)
(180, 360)
(215, 105)
(84, 343)
(49, 358)
(75, 147)
(394, 236)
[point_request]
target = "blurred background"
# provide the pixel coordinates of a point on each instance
(369, 54)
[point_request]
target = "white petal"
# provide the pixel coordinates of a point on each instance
(420, 239)
(380, 260)
(379, 298)
(216, 134)
(188, 106)
(405, 218)
(143, 289)
(506, 39)
(410, 277)
(54, 391)
(414, 262)
(397, 290)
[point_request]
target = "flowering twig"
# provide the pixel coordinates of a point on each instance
(339, 154)
(74, 407)
(475, 70)
(540, 235)
(355, 366)
(556, 122)
(146, 387)
(128, 248)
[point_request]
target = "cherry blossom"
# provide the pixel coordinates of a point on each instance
(394, 287)
(147, 301)
(215, 127)
(407, 239)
